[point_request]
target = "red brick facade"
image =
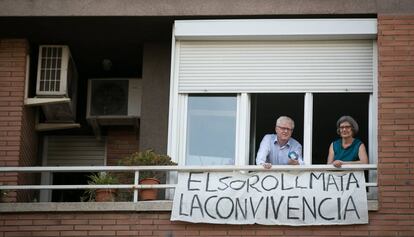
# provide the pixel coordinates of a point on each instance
(396, 123)
(18, 139)
(158, 224)
(12, 78)
(395, 162)
(121, 141)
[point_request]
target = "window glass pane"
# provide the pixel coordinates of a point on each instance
(327, 109)
(211, 130)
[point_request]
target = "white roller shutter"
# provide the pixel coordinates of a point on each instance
(74, 151)
(275, 66)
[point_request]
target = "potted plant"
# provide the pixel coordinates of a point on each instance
(3, 195)
(148, 158)
(101, 195)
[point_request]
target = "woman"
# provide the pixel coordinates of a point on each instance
(347, 149)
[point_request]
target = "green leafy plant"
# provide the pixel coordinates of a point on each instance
(148, 158)
(98, 179)
(102, 178)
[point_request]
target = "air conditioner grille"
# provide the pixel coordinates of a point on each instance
(50, 70)
(109, 97)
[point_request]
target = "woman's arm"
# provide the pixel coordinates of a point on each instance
(362, 153)
(336, 163)
(330, 154)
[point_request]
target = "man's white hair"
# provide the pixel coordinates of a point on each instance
(282, 119)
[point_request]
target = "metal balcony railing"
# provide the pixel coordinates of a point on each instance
(136, 170)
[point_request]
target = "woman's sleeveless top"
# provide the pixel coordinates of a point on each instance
(348, 154)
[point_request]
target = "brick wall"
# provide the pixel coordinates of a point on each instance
(396, 121)
(17, 136)
(158, 224)
(28, 154)
(121, 141)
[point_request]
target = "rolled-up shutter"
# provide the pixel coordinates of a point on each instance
(75, 151)
(275, 66)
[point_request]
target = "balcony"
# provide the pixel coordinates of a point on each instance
(135, 204)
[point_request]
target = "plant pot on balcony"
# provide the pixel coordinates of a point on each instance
(148, 194)
(4, 196)
(100, 194)
(105, 195)
(148, 158)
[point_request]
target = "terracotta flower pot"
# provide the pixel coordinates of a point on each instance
(148, 194)
(105, 195)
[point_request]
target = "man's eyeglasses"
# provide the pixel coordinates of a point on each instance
(285, 129)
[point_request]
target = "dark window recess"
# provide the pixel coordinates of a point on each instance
(327, 109)
(72, 195)
(266, 108)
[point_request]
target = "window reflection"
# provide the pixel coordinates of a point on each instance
(211, 130)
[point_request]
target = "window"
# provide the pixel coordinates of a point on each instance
(266, 108)
(311, 74)
(327, 109)
(211, 130)
(214, 124)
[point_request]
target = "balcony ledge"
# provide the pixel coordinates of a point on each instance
(103, 206)
(86, 206)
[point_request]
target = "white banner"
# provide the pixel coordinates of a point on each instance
(271, 198)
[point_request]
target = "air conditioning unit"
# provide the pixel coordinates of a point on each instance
(56, 71)
(56, 79)
(115, 98)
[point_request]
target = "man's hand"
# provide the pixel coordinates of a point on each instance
(267, 165)
(293, 162)
(338, 163)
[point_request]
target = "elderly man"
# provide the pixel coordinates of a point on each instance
(280, 148)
